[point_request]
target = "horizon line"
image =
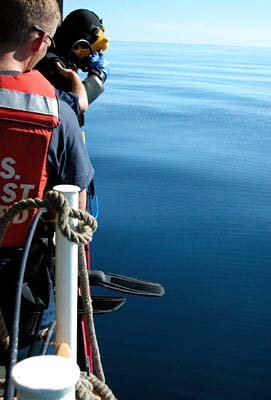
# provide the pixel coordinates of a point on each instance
(195, 44)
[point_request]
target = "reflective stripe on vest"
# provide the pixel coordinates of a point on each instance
(28, 102)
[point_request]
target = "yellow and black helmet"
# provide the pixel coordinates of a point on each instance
(80, 35)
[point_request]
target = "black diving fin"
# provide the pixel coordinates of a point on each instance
(125, 284)
(102, 304)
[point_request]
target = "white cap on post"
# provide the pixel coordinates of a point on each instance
(45, 378)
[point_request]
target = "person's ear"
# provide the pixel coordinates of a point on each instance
(37, 42)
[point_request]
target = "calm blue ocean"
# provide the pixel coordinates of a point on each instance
(181, 145)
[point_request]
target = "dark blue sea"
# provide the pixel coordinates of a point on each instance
(181, 145)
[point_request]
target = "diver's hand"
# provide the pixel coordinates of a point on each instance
(68, 73)
(99, 61)
(76, 84)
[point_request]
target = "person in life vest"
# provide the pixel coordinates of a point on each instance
(41, 146)
(79, 44)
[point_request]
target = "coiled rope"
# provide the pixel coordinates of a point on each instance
(56, 202)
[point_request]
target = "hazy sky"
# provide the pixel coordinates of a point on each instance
(234, 22)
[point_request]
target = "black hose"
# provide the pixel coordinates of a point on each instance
(14, 336)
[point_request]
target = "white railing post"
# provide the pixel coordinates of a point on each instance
(66, 278)
(45, 378)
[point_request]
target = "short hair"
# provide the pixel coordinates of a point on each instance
(17, 17)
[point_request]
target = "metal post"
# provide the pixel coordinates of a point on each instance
(45, 377)
(66, 278)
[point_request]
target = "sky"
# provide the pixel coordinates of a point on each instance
(227, 22)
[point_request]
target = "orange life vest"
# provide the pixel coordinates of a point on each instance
(28, 114)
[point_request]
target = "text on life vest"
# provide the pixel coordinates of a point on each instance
(13, 190)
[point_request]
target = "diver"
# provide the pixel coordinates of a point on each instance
(79, 44)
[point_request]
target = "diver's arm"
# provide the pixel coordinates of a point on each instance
(98, 72)
(94, 87)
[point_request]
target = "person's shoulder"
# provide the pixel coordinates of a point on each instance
(68, 131)
(67, 117)
(69, 98)
(65, 109)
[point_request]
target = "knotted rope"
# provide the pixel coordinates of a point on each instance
(88, 385)
(56, 202)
